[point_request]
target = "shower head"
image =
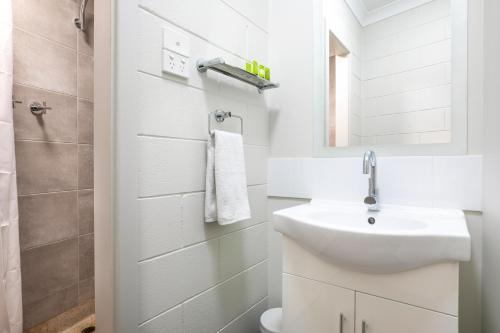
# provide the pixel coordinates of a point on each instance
(80, 21)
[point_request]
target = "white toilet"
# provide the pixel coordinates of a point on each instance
(270, 321)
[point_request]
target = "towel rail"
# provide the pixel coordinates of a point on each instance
(220, 116)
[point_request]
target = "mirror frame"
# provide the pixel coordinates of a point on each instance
(459, 105)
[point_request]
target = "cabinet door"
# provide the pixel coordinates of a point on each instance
(315, 307)
(384, 316)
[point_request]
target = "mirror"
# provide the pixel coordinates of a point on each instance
(392, 71)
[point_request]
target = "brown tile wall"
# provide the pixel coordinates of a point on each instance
(53, 62)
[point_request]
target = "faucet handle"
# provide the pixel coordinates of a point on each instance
(38, 109)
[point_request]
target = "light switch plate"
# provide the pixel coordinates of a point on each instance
(175, 53)
(176, 41)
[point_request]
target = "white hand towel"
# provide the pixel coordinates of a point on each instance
(226, 198)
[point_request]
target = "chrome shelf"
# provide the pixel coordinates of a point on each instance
(220, 66)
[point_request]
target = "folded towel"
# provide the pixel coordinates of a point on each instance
(226, 198)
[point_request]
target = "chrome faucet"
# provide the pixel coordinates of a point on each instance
(370, 168)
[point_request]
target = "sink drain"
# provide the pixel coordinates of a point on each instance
(88, 329)
(371, 220)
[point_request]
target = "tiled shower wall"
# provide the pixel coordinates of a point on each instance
(53, 63)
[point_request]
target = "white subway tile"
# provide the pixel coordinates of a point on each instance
(421, 78)
(194, 228)
(435, 137)
(405, 180)
(171, 279)
(413, 38)
(242, 249)
(255, 11)
(209, 19)
(171, 109)
(168, 322)
(256, 164)
(426, 55)
(257, 43)
(168, 166)
(290, 177)
(215, 308)
(249, 321)
(399, 139)
(457, 182)
(369, 140)
(429, 98)
(447, 181)
(256, 125)
(419, 121)
(160, 225)
(408, 20)
(339, 179)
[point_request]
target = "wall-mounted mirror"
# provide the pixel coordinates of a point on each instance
(391, 72)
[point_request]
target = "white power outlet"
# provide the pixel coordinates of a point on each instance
(174, 63)
(175, 53)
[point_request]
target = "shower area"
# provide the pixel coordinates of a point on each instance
(53, 129)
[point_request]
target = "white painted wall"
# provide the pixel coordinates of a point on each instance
(291, 58)
(491, 226)
(192, 276)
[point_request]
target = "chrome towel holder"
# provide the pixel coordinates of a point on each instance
(220, 116)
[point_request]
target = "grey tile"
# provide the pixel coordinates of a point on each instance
(46, 167)
(58, 124)
(86, 38)
(86, 260)
(86, 211)
(85, 122)
(85, 167)
(51, 306)
(85, 77)
(49, 268)
(74, 315)
(44, 64)
(86, 290)
(48, 18)
(47, 218)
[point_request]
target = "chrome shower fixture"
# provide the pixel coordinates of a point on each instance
(80, 21)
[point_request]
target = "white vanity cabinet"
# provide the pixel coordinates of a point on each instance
(317, 293)
(313, 306)
(380, 315)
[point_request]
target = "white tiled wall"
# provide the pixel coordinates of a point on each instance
(430, 181)
(195, 277)
(406, 77)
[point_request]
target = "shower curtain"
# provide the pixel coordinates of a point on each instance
(10, 270)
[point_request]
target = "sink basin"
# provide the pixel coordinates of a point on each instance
(396, 239)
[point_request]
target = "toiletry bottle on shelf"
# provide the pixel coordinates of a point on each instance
(262, 71)
(249, 67)
(255, 69)
(268, 74)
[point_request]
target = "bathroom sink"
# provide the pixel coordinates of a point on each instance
(395, 239)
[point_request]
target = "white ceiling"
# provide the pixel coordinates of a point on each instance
(375, 4)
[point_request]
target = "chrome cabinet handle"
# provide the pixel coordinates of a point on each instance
(341, 323)
(38, 109)
(363, 326)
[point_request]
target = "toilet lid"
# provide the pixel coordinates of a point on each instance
(271, 320)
